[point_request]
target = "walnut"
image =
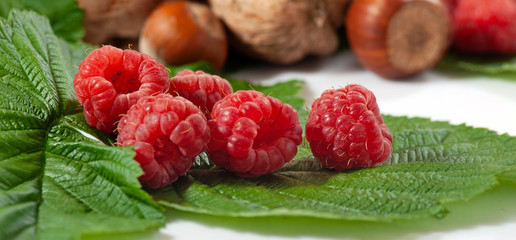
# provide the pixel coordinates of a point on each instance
(282, 31)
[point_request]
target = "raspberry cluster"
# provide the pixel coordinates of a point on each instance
(125, 92)
(345, 129)
(170, 121)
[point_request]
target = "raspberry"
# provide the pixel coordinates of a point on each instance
(110, 80)
(203, 89)
(345, 129)
(167, 133)
(253, 134)
(483, 26)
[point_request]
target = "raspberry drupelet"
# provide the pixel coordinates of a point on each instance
(167, 134)
(110, 80)
(253, 134)
(345, 129)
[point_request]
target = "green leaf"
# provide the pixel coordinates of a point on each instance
(59, 178)
(503, 67)
(75, 52)
(65, 16)
(92, 187)
(489, 68)
(422, 140)
(432, 163)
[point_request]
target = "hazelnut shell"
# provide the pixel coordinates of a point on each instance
(181, 32)
(398, 38)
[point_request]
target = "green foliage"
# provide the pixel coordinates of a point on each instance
(494, 66)
(62, 179)
(65, 16)
(59, 178)
(432, 163)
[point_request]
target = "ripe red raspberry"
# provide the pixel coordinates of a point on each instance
(203, 89)
(483, 26)
(167, 133)
(345, 129)
(110, 80)
(253, 134)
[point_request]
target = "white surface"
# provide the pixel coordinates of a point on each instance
(479, 102)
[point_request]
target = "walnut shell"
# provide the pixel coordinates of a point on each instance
(280, 31)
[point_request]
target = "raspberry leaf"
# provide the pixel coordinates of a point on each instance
(59, 178)
(80, 186)
(65, 16)
(503, 67)
(432, 163)
(422, 140)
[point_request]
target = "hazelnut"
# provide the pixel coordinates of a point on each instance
(182, 32)
(398, 38)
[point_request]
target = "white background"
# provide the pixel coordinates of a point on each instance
(476, 101)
